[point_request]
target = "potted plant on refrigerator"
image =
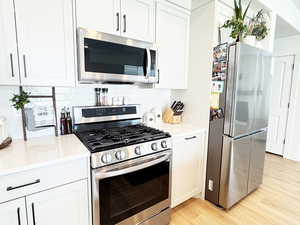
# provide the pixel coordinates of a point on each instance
(237, 24)
(258, 27)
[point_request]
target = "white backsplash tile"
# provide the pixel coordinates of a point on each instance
(79, 96)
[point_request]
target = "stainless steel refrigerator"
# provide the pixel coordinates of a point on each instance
(238, 122)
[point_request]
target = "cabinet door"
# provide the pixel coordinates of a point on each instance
(63, 205)
(46, 43)
(13, 212)
(186, 168)
(138, 19)
(172, 37)
(102, 16)
(9, 71)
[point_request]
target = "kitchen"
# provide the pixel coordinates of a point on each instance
(125, 74)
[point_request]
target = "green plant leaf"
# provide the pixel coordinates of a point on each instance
(245, 13)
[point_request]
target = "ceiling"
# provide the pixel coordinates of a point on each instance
(297, 3)
(284, 29)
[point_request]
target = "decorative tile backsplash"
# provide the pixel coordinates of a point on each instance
(79, 96)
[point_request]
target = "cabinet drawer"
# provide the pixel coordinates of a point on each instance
(193, 137)
(35, 180)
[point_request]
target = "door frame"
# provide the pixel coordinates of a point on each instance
(284, 155)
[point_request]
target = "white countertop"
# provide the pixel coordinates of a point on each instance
(180, 129)
(41, 151)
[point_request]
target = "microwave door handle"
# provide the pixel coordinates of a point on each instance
(113, 173)
(148, 63)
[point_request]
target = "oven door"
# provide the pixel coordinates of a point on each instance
(108, 58)
(133, 191)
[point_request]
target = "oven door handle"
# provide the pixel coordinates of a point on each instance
(113, 173)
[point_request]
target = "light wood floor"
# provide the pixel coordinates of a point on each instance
(276, 202)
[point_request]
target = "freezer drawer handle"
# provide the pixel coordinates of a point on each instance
(190, 138)
(10, 188)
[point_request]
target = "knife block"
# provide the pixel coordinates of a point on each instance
(169, 117)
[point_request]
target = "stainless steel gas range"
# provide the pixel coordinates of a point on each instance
(131, 166)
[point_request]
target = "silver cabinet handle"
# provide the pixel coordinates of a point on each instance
(19, 216)
(125, 23)
(24, 64)
(33, 213)
(190, 138)
(10, 188)
(118, 21)
(11, 65)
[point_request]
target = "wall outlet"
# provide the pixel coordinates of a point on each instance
(210, 185)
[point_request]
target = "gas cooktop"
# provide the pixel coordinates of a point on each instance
(115, 134)
(98, 140)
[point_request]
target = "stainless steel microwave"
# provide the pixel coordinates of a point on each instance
(106, 58)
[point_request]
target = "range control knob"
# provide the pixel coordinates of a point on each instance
(120, 155)
(137, 150)
(106, 158)
(164, 144)
(154, 146)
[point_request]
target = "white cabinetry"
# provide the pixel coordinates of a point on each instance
(187, 167)
(46, 43)
(9, 70)
(138, 19)
(129, 18)
(63, 205)
(54, 194)
(172, 38)
(13, 212)
(98, 15)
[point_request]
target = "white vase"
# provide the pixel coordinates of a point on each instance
(259, 44)
(250, 40)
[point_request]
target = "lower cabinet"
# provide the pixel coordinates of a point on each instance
(64, 205)
(13, 212)
(187, 167)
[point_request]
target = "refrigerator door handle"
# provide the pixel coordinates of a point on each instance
(250, 133)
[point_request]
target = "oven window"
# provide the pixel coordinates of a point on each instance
(107, 57)
(124, 196)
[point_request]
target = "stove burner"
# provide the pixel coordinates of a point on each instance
(115, 137)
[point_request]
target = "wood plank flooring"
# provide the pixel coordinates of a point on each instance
(276, 202)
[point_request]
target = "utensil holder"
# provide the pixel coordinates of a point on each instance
(169, 117)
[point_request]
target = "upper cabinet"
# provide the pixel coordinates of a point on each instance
(9, 70)
(129, 18)
(46, 42)
(138, 17)
(98, 15)
(172, 38)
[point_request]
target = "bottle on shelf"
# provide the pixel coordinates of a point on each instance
(98, 99)
(63, 122)
(69, 122)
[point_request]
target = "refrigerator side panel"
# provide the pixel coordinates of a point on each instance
(257, 161)
(214, 157)
(234, 170)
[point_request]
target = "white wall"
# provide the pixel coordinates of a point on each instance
(197, 96)
(290, 46)
(79, 96)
